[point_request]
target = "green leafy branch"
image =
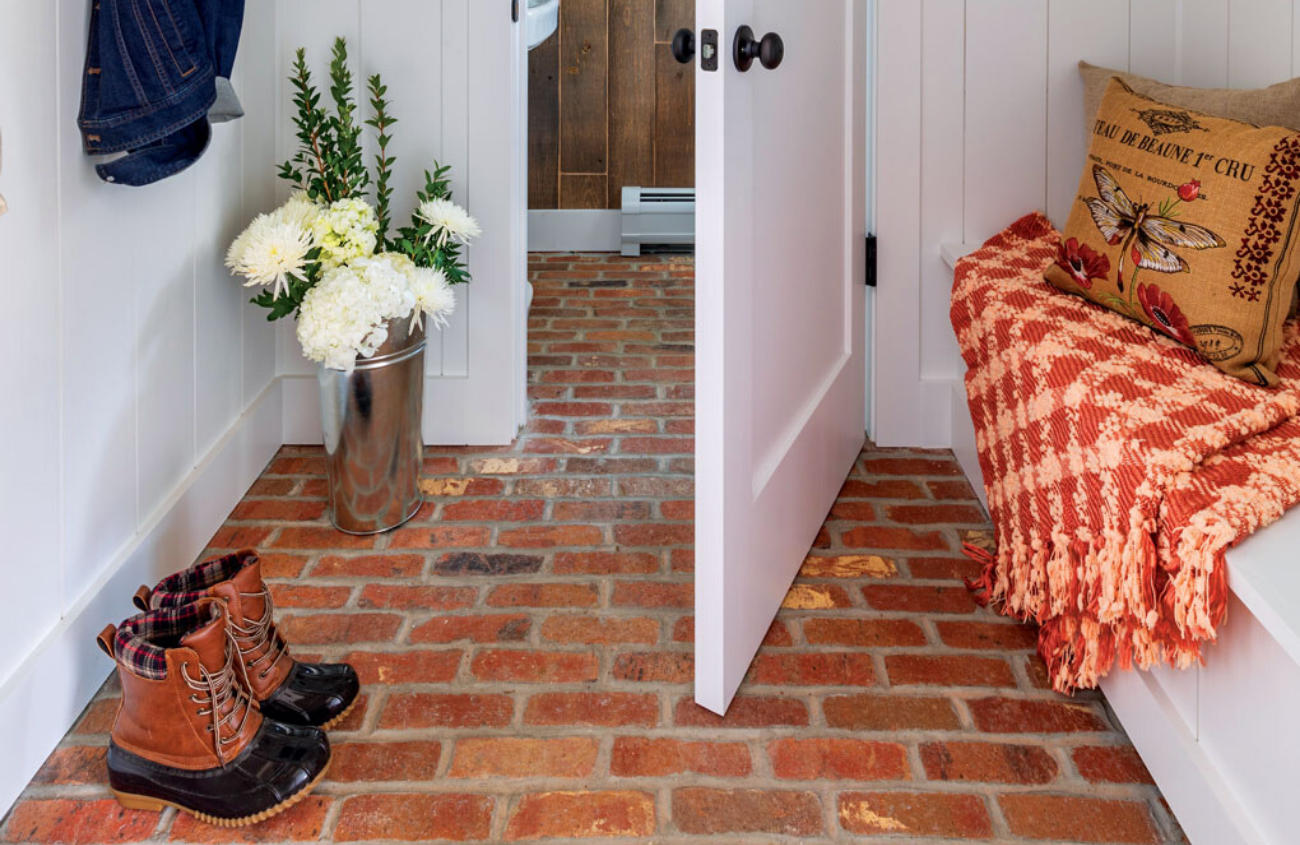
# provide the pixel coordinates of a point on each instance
(381, 122)
(417, 240)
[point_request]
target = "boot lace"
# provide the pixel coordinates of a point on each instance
(251, 637)
(220, 688)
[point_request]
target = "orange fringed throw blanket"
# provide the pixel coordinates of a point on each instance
(1119, 466)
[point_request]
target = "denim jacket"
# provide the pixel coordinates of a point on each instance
(153, 68)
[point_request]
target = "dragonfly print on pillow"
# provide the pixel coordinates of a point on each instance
(1146, 236)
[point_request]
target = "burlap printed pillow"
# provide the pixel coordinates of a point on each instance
(1188, 223)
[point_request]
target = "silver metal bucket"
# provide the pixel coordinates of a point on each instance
(371, 421)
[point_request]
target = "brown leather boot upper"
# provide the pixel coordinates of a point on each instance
(236, 579)
(184, 703)
(265, 653)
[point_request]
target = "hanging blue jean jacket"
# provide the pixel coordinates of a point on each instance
(153, 71)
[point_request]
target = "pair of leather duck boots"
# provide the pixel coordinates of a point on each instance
(217, 719)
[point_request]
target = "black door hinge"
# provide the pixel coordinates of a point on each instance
(514, 10)
(871, 261)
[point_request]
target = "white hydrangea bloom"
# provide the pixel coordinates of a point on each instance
(433, 297)
(346, 314)
(269, 252)
(450, 222)
(346, 230)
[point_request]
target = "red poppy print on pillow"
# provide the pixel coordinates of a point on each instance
(1082, 262)
(1165, 314)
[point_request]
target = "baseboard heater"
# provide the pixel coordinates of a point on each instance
(658, 217)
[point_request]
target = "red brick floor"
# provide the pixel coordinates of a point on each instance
(525, 644)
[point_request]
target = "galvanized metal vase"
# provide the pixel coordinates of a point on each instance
(371, 421)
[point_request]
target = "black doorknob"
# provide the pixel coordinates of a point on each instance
(684, 46)
(770, 52)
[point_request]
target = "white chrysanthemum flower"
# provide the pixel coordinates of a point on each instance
(269, 252)
(433, 297)
(346, 230)
(298, 209)
(449, 222)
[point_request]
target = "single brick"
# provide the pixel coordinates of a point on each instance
(550, 536)
(414, 818)
(635, 756)
(813, 669)
(915, 814)
(605, 563)
(665, 667)
(910, 598)
(988, 762)
(704, 811)
(992, 636)
(535, 667)
(838, 759)
(405, 667)
(653, 594)
(410, 597)
(607, 709)
(889, 713)
(368, 566)
(949, 670)
(446, 710)
(1018, 715)
(544, 595)
(1078, 819)
(332, 628)
(379, 761)
(585, 629)
(440, 537)
(885, 537)
(1111, 764)
(521, 757)
(580, 815)
(494, 510)
(866, 633)
(848, 566)
(469, 563)
(494, 628)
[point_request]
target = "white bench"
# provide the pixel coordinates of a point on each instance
(1221, 740)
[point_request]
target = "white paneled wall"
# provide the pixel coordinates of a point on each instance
(980, 116)
(422, 50)
(131, 356)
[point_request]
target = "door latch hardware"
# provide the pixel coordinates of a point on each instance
(709, 49)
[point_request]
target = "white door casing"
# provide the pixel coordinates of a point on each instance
(780, 181)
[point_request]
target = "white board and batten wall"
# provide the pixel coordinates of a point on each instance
(979, 121)
(139, 388)
(142, 393)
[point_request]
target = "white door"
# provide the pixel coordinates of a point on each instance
(780, 244)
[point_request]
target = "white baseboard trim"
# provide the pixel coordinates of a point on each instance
(574, 230)
(43, 697)
(1188, 779)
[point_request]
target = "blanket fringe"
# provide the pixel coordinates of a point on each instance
(1100, 603)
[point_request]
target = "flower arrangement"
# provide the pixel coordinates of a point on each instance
(329, 256)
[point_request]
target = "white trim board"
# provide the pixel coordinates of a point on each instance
(574, 230)
(42, 699)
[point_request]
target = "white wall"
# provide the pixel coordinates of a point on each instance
(980, 121)
(442, 93)
(131, 357)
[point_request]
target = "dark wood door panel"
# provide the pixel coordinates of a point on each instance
(609, 107)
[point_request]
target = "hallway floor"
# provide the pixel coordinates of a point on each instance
(525, 643)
